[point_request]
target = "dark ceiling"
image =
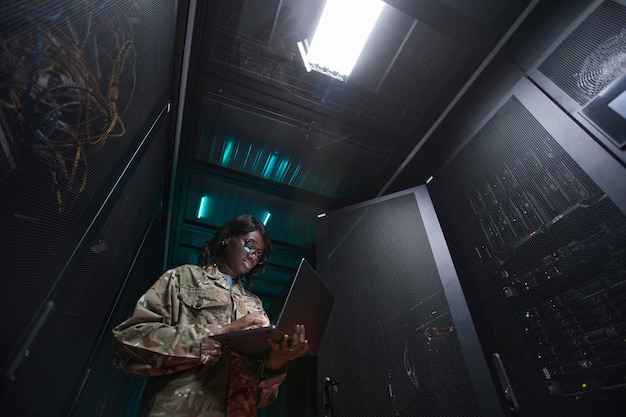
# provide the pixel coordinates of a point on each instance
(263, 135)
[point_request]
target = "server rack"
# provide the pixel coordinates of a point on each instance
(401, 340)
(85, 99)
(534, 207)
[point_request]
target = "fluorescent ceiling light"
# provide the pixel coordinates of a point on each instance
(341, 34)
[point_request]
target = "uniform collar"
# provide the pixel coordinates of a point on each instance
(213, 273)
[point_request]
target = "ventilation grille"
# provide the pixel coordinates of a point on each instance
(592, 56)
(396, 347)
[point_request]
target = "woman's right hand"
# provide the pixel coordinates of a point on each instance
(249, 321)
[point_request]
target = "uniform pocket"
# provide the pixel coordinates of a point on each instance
(202, 307)
(199, 299)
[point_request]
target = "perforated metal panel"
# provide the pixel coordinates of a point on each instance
(395, 345)
(592, 55)
(81, 86)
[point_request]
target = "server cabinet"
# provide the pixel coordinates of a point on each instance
(85, 93)
(401, 341)
(533, 210)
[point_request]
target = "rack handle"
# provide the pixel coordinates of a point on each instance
(505, 384)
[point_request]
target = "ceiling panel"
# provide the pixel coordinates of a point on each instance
(484, 12)
(283, 148)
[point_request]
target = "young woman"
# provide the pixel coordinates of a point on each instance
(167, 336)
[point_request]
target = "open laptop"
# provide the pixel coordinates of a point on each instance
(308, 302)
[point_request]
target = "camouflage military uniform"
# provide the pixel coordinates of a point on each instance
(166, 339)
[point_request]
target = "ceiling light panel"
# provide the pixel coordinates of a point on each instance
(341, 34)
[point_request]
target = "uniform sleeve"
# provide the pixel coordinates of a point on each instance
(152, 341)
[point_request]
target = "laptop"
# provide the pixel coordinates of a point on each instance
(308, 302)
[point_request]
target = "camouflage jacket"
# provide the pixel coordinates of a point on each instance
(166, 338)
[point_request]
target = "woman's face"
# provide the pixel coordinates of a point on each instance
(236, 259)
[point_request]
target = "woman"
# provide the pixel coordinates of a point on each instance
(168, 335)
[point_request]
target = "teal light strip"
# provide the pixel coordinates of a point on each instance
(281, 171)
(228, 152)
(269, 166)
(202, 208)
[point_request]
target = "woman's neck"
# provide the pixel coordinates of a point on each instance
(224, 269)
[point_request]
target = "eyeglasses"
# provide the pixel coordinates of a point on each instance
(250, 247)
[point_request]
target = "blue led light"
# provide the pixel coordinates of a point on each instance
(203, 207)
(281, 171)
(228, 152)
(269, 165)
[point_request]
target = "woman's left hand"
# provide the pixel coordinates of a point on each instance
(288, 349)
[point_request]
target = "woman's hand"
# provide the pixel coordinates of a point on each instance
(288, 349)
(249, 321)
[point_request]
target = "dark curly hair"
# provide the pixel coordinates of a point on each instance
(237, 226)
